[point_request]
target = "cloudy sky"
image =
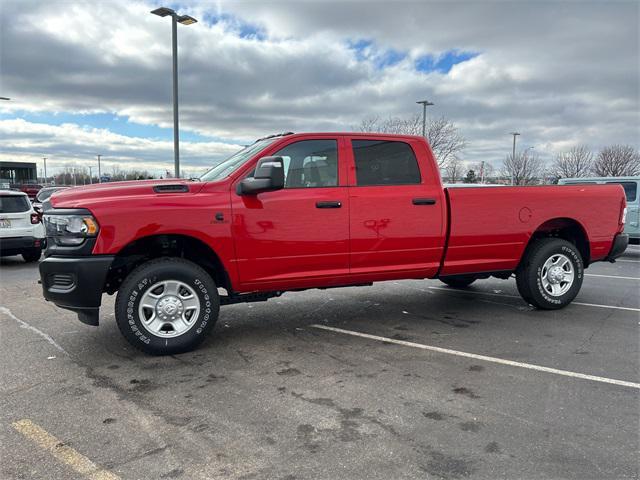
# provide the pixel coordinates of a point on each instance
(95, 77)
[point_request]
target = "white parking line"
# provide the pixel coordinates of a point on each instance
(485, 358)
(468, 292)
(23, 324)
(610, 276)
(627, 261)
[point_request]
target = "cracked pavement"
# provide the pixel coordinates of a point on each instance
(268, 396)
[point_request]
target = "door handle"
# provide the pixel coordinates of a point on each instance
(424, 201)
(328, 204)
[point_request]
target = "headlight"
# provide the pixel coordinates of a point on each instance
(70, 229)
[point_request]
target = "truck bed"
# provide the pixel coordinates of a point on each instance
(489, 227)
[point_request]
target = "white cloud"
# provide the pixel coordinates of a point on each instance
(559, 72)
(69, 144)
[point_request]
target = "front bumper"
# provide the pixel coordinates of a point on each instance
(76, 283)
(620, 243)
(17, 245)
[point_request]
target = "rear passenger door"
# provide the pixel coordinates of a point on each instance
(396, 209)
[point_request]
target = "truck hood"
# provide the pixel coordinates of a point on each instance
(79, 197)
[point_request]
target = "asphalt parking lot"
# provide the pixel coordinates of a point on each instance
(275, 394)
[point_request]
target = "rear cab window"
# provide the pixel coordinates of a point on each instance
(385, 162)
(14, 204)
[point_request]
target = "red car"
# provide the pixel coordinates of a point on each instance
(31, 189)
(293, 212)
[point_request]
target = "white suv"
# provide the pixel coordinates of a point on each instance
(21, 230)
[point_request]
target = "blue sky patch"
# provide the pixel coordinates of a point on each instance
(114, 123)
(232, 23)
(443, 63)
(367, 50)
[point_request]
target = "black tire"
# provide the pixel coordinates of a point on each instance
(530, 272)
(32, 255)
(140, 280)
(458, 281)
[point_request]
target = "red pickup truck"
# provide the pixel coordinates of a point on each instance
(298, 211)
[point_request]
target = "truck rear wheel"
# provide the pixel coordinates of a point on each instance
(458, 281)
(167, 306)
(550, 275)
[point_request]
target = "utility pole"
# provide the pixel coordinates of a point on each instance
(99, 174)
(482, 172)
(513, 158)
(425, 104)
(45, 169)
(184, 20)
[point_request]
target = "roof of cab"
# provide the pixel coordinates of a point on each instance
(341, 134)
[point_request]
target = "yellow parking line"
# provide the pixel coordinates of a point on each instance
(62, 452)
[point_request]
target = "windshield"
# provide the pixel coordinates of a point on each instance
(45, 193)
(228, 166)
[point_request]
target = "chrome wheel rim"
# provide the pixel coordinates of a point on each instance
(557, 275)
(169, 308)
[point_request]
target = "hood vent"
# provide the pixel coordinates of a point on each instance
(177, 188)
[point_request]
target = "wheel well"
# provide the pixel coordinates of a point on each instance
(144, 249)
(567, 229)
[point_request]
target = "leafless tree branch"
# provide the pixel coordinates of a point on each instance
(577, 162)
(617, 161)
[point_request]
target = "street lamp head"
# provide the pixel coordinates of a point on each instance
(5, 98)
(426, 103)
(186, 20)
(514, 133)
(163, 11)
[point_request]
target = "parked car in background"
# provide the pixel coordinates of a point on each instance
(21, 231)
(44, 195)
(631, 186)
(31, 189)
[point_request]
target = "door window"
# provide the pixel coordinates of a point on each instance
(310, 163)
(383, 162)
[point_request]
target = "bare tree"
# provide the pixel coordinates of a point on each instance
(453, 169)
(577, 162)
(617, 161)
(484, 170)
(526, 168)
(444, 137)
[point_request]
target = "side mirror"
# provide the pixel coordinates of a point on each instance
(269, 176)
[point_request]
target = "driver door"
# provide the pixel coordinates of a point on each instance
(297, 236)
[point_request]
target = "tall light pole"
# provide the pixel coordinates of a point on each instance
(185, 20)
(45, 169)
(513, 157)
(425, 104)
(99, 172)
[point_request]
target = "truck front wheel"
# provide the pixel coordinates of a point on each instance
(550, 274)
(167, 306)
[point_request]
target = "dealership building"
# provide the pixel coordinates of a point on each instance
(18, 172)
